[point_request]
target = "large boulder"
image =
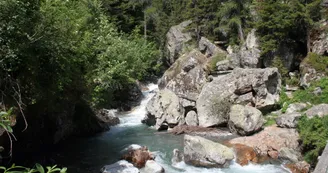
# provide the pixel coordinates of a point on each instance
(176, 40)
(186, 76)
(261, 87)
(299, 167)
(320, 45)
(120, 167)
(152, 167)
(245, 120)
(208, 48)
(320, 110)
(288, 120)
(245, 154)
(289, 154)
(138, 157)
(296, 107)
(270, 141)
(202, 152)
(191, 118)
(108, 116)
(246, 56)
(164, 110)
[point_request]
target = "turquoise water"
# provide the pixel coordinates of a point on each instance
(89, 155)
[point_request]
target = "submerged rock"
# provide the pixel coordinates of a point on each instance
(245, 154)
(120, 167)
(164, 110)
(217, 96)
(177, 157)
(270, 141)
(202, 152)
(245, 120)
(299, 167)
(152, 167)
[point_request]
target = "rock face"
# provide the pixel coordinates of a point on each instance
(288, 120)
(289, 154)
(108, 116)
(138, 157)
(270, 141)
(296, 107)
(208, 48)
(245, 120)
(309, 74)
(322, 165)
(176, 41)
(320, 45)
(247, 56)
(201, 152)
(152, 167)
(257, 87)
(164, 110)
(191, 118)
(186, 76)
(120, 167)
(320, 110)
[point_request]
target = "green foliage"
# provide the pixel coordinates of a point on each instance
(37, 169)
(270, 120)
(284, 22)
(214, 60)
(6, 120)
(278, 63)
(319, 63)
(314, 135)
(307, 95)
(67, 50)
(234, 16)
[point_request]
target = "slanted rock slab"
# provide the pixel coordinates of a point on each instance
(202, 152)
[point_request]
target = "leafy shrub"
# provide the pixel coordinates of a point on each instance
(319, 63)
(307, 95)
(37, 169)
(314, 135)
(277, 62)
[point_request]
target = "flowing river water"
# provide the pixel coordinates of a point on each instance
(88, 155)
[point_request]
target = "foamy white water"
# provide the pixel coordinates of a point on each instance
(134, 117)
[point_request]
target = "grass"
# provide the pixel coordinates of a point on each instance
(270, 120)
(214, 60)
(306, 95)
(319, 63)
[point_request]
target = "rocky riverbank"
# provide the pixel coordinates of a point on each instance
(236, 94)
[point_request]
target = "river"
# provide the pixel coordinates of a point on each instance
(88, 155)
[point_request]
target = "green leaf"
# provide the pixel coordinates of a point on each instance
(63, 170)
(39, 168)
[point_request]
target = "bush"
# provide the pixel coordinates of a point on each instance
(307, 95)
(277, 62)
(319, 63)
(314, 135)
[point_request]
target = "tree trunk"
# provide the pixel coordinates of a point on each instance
(308, 40)
(241, 33)
(145, 25)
